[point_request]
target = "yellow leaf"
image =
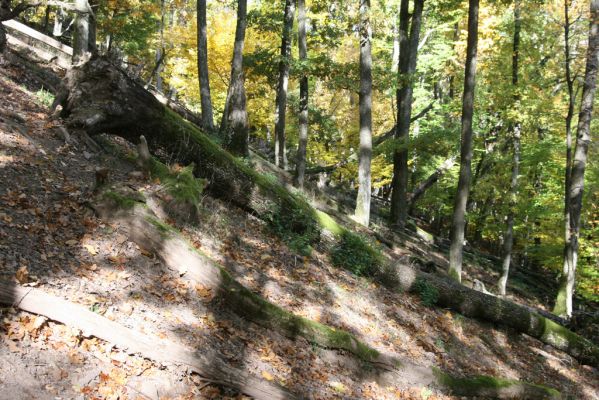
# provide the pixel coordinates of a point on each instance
(91, 249)
(267, 376)
(22, 275)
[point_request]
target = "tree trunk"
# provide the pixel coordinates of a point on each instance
(83, 32)
(508, 237)
(234, 127)
(300, 163)
(160, 53)
(281, 106)
(474, 304)
(461, 197)
(101, 98)
(204, 80)
(362, 212)
(563, 306)
(407, 67)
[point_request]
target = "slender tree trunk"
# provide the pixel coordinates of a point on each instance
(281, 107)
(157, 73)
(300, 164)
(84, 33)
(235, 126)
(461, 198)
(508, 237)
(407, 67)
(362, 213)
(204, 80)
(59, 18)
(395, 53)
(563, 306)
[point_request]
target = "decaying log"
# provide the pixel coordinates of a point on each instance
(152, 235)
(205, 363)
(149, 233)
(99, 97)
(486, 307)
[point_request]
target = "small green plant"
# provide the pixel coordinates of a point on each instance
(296, 227)
(355, 254)
(429, 295)
(45, 97)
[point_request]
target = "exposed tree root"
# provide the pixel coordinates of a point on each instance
(205, 363)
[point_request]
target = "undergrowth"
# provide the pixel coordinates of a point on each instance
(355, 254)
(429, 295)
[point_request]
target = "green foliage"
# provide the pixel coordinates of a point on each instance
(180, 183)
(429, 295)
(355, 254)
(296, 226)
(45, 97)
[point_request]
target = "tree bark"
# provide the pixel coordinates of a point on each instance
(207, 363)
(508, 237)
(203, 78)
(300, 163)
(84, 32)
(563, 306)
(234, 127)
(461, 197)
(281, 100)
(486, 307)
(160, 52)
(407, 67)
(99, 97)
(362, 212)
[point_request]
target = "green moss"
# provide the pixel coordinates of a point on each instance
(164, 229)
(429, 295)
(487, 385)
(121, 201)
(355, 254)
(329, 223)
(453, 274)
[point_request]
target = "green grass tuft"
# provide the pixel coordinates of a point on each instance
(355, 254)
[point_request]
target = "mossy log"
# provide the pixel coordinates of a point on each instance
(99, 97)
(486, 307)
(153, 235)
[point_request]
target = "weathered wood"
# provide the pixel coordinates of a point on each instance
(481, 306)
(207, 363)
(101, 98)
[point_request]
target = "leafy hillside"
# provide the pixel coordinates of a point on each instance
(52, 241)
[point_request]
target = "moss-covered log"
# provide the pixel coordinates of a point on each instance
(100, 98)
(478, 305)
(153, 235)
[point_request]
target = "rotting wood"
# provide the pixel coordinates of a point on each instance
(205, 363)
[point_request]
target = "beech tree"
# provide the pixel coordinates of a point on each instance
(362, 213)
(203, 79)
(563, 305)
(508, 237)
(408, 52)
(300, 163)
(281, 101)
(234, 127)
(461, 197)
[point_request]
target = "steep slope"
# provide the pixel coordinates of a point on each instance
(97, 266)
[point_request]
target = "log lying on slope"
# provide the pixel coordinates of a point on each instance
(481, 306)
(98, 97)
(147, 231)
(206, 363)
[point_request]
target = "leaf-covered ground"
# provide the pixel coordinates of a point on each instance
(50, 239)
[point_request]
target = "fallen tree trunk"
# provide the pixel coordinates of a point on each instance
(152, 235)
(486, 307)
(207, 363)
(99, 97)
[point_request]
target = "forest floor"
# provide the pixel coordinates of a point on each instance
(50, 239)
